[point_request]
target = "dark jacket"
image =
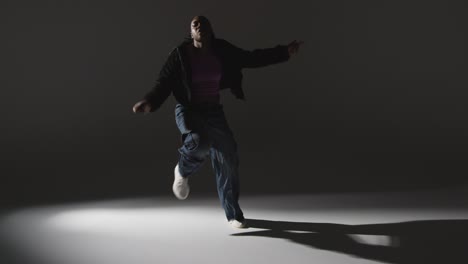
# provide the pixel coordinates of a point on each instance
(175, 75)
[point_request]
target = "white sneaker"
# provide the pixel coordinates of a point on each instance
(180, 187)
(237, 224)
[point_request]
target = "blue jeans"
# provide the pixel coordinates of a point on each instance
(205, 132)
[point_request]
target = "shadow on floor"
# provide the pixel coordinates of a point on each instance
(428, 241)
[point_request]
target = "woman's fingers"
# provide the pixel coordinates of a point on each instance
(142, 106)
(147, 108)
(293, 47)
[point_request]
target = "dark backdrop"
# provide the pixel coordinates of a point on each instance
(375, 99)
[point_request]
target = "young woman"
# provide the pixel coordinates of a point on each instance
(194, 73)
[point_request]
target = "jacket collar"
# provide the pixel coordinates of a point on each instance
(188, 41)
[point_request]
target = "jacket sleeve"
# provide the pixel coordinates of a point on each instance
(164, 83)
(260, 57)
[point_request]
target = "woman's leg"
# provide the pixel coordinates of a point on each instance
(225, 162)
(193, 153)
(225, 165)
(195, 142)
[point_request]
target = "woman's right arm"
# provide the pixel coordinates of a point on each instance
(162, 88)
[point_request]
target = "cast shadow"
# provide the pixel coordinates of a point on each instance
(414, 242)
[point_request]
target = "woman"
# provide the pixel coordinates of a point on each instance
(194, 73)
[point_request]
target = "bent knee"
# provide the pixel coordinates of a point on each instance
(196, 142)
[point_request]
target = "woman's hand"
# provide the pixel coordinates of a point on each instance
(294, 46)
(142, 106)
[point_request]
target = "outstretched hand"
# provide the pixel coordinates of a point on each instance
(294, 46)
(142, 107)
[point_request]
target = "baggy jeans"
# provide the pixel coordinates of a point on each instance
(205, 132)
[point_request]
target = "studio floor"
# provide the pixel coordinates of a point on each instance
(425, 226)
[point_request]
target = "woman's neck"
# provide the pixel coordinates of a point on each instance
(200, 48)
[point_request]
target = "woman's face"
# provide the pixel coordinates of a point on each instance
(200, 29)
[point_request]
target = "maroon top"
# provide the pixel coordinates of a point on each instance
(206, 74)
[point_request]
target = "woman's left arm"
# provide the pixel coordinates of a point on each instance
(264, 57)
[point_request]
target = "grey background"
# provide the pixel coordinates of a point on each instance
(375, 99)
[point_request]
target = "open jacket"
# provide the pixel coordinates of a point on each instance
(175, 75)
